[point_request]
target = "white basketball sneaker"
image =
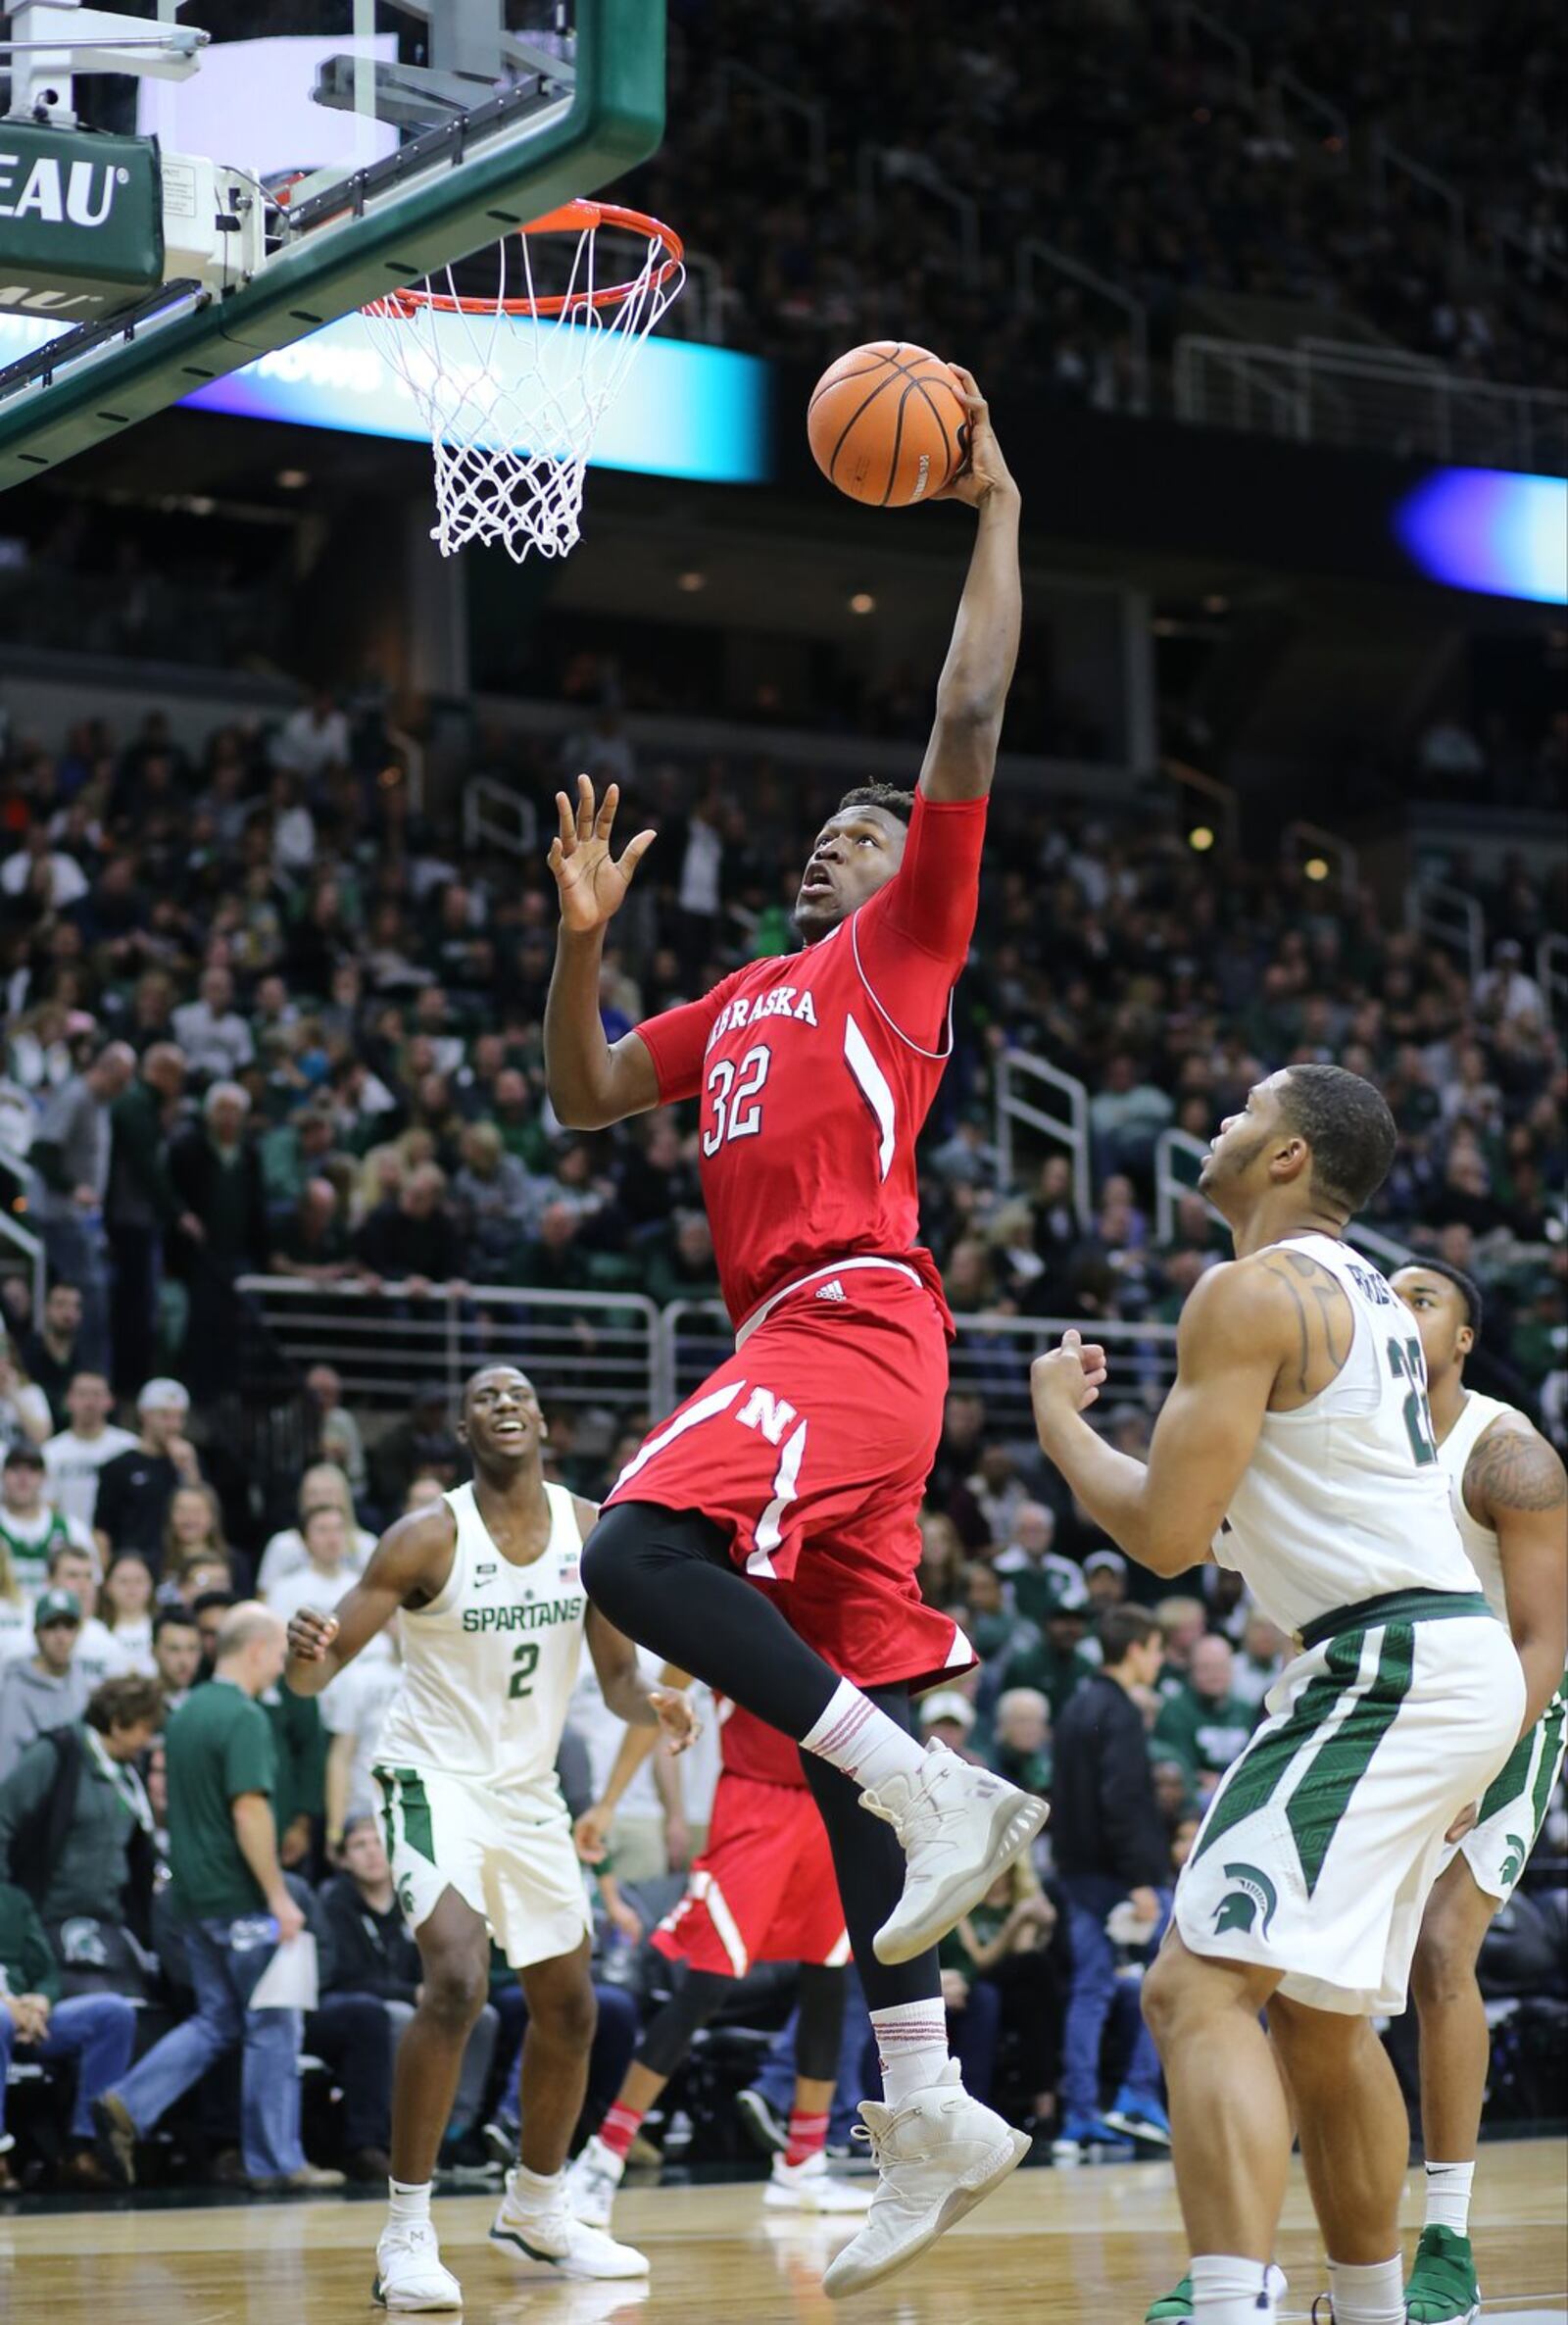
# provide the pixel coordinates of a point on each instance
(937, 2156)
(555, 2242)
(592, 2182)
(959, 1826)
(809, 2187)
(408, 2275)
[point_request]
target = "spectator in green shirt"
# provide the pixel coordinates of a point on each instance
(97, 2030)
(229, 1893)
(1204, 1723)
(1056, 1665)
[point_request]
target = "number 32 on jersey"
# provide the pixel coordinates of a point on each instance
(735, 1093)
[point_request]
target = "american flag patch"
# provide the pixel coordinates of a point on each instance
(569, 1565)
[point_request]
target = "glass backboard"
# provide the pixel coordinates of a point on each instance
(358, 143)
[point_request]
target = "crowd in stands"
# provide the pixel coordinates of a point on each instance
(262, 1017)
(1139, 146)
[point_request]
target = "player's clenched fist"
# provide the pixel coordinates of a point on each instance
(309, 1635)
(1067, 1381)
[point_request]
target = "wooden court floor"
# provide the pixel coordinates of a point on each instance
(1053, 2247)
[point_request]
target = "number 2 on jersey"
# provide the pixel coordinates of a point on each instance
(737, 1102)
(525, 1664)
(1405, 1362)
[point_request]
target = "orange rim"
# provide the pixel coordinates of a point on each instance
(573, 218)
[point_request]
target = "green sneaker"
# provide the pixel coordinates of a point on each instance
(1442, 2287)
(1175, 2307)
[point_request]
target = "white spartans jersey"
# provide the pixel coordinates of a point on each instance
(1345, 1499)
(1476, 1417)
(489, 1664)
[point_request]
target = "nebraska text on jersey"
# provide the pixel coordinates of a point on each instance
(783, 1002)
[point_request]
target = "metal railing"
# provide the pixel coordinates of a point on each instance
(1325, 392)
(1551, 975)
(899, 166)
(991, 1358)
(495, 816)
(21, 1251)
(587, 1348)
(1172, 1183)
(1070, 1130)
(1447, 917)
(730, 73)
(1032, 252)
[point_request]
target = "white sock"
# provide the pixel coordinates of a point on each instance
(1372, 2296)
(912, 2042)
(855, 1736)
(536, 2192)
(407, 2202)
(1230, 2290)
(1448, 2196)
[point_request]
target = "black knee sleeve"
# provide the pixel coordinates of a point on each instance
(700, 1996)
(820, 2025)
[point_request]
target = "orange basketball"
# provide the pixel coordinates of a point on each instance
(886, 423)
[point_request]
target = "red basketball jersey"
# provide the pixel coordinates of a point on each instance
(816, 1071)
(748, 1746)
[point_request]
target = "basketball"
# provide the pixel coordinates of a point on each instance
(886, 423)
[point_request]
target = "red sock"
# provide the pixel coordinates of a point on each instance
(619, 2128)
(808, 2137)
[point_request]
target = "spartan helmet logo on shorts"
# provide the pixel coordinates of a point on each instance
(406, 1899)
(1513, 1864)
(1238, 1908)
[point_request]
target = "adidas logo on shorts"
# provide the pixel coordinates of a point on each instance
(832, 1291)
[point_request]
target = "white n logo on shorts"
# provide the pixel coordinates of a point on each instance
(768, 1412)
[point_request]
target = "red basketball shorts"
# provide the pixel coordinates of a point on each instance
(812, 1446)
(762, 1889)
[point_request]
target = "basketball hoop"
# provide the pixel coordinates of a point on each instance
(512, 385)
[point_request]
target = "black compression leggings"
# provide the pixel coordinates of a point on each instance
(702, 1995)
(664, 1577)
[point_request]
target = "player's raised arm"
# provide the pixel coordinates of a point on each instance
(960, 758)
(1523, 1493)
(1234, 1333)
(592, 1084)
(411, 1560)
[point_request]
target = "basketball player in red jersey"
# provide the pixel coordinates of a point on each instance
(764, 1537)
(762, 1889)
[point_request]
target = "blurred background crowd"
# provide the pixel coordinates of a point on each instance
(1183, 157)
(264, 1022)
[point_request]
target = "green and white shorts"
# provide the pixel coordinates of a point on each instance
(507, 1852)
(1513, 1809)
(1321, 1845)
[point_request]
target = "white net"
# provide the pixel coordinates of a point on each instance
(513, 386)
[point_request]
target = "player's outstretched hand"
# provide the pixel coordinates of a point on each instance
(593, 883)
(676, 1716)
(309, 1635)
(984, 470)
(591, 1834)
(1067, 1381)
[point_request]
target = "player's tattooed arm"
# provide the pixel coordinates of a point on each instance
(1322, 1316)
(408, 1567)
(1235, 1336)
(1514, 1482)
